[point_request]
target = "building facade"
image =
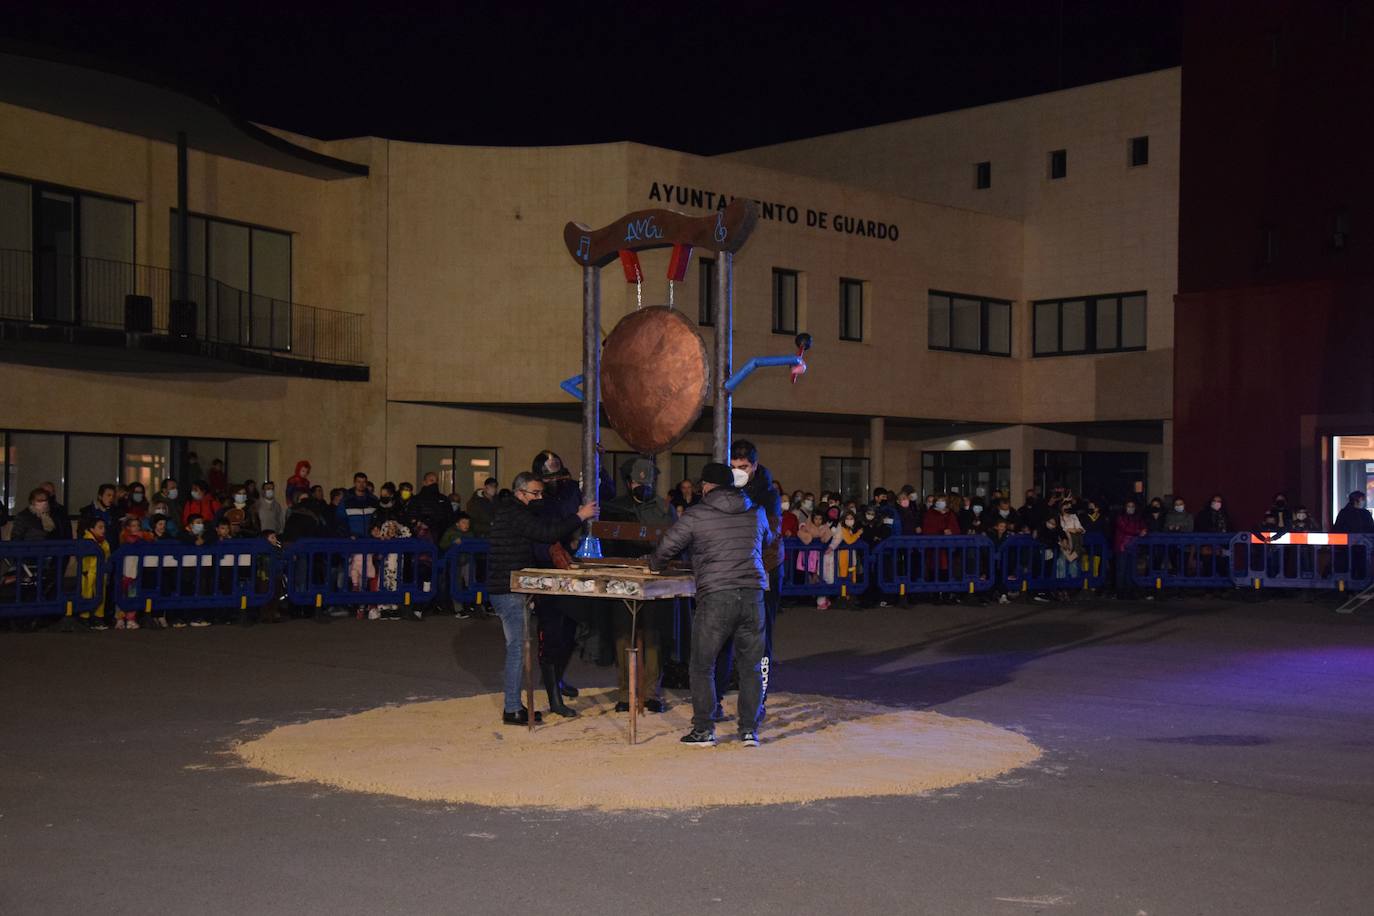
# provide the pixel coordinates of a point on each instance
(990, 293)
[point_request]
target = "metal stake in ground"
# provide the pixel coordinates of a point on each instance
(529, 660)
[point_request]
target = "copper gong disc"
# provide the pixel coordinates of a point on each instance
(654, 377)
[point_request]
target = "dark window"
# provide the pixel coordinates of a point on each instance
(968, 473)
(784, 301)
(1059, 163)
(982, 176)
(706, 292)
(461, 468)
(239, 278)
(1113, 477)
(1140, 151)
(1108, 323)
(851, 310)
(687, 465)
(969, 324)
(846, 476)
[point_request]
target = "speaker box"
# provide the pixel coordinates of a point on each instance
(138, 314)
(182, 319)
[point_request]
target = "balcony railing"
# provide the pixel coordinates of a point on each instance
(42, 288)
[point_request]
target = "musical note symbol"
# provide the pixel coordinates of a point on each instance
(584, 247)
(720, 227)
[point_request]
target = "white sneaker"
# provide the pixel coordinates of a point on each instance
(374, 614)
(1003, 599)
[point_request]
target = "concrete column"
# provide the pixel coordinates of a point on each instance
(877, 444)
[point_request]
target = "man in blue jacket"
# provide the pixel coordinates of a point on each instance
(727, 536)
(357, 507)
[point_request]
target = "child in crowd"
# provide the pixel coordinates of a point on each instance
(193, 580)
(90, 567)
(460, 530)
(131, 533)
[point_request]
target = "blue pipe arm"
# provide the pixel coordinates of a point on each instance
(759, 362)
(573, 386)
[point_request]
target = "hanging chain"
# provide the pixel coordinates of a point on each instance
(670, 293)
(639, 291)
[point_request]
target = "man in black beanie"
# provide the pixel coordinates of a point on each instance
(726, 535)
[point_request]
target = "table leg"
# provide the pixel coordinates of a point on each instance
(632, 670)
(529, 660)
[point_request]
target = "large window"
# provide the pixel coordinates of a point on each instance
(66, 256)
(1110, 476)
(969, 324)
(784, 301)
(851, 309)
(462, 469)
(846, 476)
(969, 473)
(1092, 324)
(706, 292)
(78, 463)
(240, 280)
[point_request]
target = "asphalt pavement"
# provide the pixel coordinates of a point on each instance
(1201, 756)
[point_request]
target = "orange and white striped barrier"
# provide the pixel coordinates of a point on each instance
(1321, 538)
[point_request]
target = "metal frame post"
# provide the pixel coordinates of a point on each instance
(591, 400)
(725, 344)
(183, 219)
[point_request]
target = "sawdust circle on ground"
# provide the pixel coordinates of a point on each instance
(814, 747)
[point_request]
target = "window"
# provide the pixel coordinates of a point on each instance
(969, 473)
(65, 255)
(969, 324)
(1140, 151)
(462, 469)
(1059, 163)
(851, 310)
(1110, 476)
(982, 176)
(1092, 324)
(687, 466)
(846, 476)
(240, 280)
(706, 292)
(784, 301)
(77, 463)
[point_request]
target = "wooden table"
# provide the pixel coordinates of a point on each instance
(623, 580)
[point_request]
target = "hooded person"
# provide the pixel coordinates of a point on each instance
(641, 505)
(557, 616)
(1354, 518)
(298, 481)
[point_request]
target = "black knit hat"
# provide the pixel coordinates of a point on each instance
(718, 474)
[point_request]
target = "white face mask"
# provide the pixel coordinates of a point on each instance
(741, 477)
(269, 493)
(172, 493)
(940, 505)
(136, 497)
(1005, 513)
(1178, 507)
(197, 528)
(1130, 510)
(1216, 504)
(977, 510)
(1300, 515)
(807, 504)
(240, 499)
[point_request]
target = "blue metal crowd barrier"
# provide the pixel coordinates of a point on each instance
(324, 572)
(44, 578)
(465, 568)
(810, 570)
(159, 576)
(1183, 560)
(935, 563)
(1342, 562)
(1024, 564)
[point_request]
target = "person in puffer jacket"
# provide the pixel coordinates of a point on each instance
(726, 535)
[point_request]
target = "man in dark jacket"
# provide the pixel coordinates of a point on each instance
(1354, 518)
(727, 536)
(515, 531)
(758, 485)
(482, 508)
(58, 512)
(430, 507)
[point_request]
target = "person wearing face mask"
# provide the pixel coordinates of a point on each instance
(1178, 521)
(1283, 516)
(429, 507)
(270, 514)
(200, 503)
(970, 517)
(482, 507)
(1302, 520)
(195, 580)
(1154, 514)
(791, 521)
(1032, 513)
(757, 483)
(1129, 526)
(940, 520)
(36, 521)
(1354, 518)
(236, 514)
(389, 508)
(515, 532)
(1055, 544)
(170, 495)
(135, 505)
(1213, 519)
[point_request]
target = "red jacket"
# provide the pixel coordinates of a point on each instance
(1126, 529)
(790, 525)
(298, 482)
(207, 507)
(935, 522)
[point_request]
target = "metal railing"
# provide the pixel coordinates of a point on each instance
(47, 288)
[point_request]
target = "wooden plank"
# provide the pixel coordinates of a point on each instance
(603, 582)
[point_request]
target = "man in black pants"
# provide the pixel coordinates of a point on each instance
(757, 483)
(727, 535)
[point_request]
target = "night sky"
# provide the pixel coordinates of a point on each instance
(701, 77)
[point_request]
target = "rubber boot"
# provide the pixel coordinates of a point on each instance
(556, 704)
(566, 689)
